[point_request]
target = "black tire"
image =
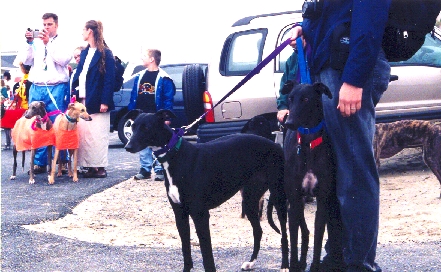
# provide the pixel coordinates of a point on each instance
(125, 130)
(193, 87)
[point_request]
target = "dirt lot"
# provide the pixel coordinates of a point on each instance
(137, 213)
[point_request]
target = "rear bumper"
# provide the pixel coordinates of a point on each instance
(210, 131)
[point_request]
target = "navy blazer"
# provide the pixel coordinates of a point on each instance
(99, 87)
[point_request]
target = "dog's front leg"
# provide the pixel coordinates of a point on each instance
(296, 219)
(54, 163)
(183, 224)
(319, 230)
(49, 159)
(73, 172)
(31, 170)
(201, 222)
(14, 166)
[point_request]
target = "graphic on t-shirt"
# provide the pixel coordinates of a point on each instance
(146, 88)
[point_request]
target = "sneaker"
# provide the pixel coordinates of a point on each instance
(143, 174)
(159, 176)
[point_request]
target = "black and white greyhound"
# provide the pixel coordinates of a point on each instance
(202, 176)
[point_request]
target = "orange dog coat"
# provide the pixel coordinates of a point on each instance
(65, 139)
(26, 138)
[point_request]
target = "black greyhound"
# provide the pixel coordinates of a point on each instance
(309, 170)
(200, 177)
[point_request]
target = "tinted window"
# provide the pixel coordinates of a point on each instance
(175, 72)
(429, 54)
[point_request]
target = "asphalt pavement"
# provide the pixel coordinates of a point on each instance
(26, 250)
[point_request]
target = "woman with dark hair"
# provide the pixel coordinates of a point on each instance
(94, 82)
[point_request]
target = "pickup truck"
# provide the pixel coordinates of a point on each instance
(413, 93)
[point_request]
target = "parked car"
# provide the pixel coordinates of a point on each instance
(122, 98)
(414, 91)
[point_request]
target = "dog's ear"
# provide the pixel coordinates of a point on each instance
(133, 114)
(43, 104)
(165, 115)
(322, 89)
(71, 106)
(287, 87)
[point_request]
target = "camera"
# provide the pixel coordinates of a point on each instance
(312, 9)
(35, 32)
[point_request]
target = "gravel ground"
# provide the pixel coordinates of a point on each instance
(117, 224)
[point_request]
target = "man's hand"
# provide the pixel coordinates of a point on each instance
(104, 108)
(281, 115)
(44, 36)
(295, 33)
(349, 99)
(29, 35)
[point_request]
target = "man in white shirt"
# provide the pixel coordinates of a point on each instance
(49, 58)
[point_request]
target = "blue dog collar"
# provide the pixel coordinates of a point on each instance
(315, 129)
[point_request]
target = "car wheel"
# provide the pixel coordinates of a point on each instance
(193, 87)
(125, 130)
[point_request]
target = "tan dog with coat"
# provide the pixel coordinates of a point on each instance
(66, 137)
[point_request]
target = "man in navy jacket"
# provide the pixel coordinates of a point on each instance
(350, 120)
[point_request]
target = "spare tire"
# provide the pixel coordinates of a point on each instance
(193, 87)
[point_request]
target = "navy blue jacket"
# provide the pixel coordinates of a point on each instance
(368, 19)
(99, 87)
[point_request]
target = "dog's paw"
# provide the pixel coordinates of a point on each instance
(173, 193)
(12, 177)
(75, 179)
(31, 181)
(248, 266)
(50, 180)
(284, 269)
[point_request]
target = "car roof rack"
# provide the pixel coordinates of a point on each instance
(247, 20)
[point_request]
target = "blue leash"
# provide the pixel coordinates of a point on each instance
(305, 77)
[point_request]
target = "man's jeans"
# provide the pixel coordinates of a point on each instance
(357, 176)
(146, 160)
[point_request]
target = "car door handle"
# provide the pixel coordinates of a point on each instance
(393, 78)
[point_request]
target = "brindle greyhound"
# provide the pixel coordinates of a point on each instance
(202, 176)
(22, 133)
(391, 138)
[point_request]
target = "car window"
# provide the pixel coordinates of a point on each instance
(429, 54)
(286, 52)
(242, 52)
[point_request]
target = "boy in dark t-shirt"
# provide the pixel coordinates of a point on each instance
(152, 92)
(146, 92)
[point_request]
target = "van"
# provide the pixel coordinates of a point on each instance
(413, 93)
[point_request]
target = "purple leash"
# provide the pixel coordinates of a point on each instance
(252, 73)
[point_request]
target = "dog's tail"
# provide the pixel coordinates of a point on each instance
(269, 213)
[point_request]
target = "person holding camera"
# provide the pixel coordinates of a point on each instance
(346, 55)
(48, 55)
